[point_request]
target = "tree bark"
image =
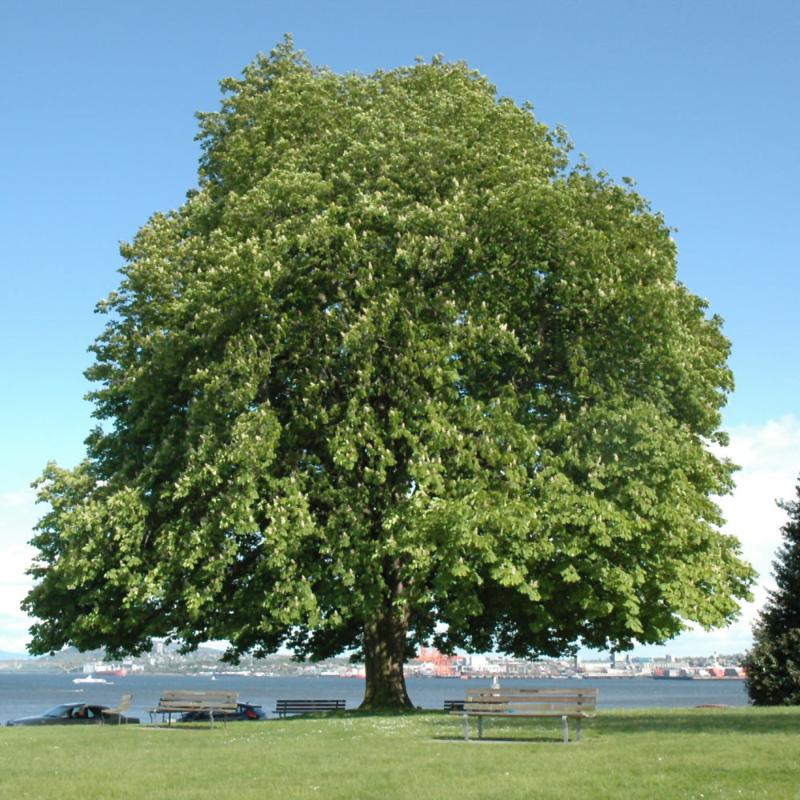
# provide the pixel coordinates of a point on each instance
(384, 656)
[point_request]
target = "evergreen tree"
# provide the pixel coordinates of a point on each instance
(773, 664)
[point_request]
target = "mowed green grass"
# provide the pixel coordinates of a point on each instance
(677, 753)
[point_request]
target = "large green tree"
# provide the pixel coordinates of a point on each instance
(394, 373)
(773, 663)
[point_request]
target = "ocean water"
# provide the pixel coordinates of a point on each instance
(23, 694)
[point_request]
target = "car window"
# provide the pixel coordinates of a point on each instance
(57, 711)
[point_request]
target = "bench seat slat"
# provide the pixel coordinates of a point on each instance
(533, 696)
(531, 690)
(196, 707)
(580, 714)
(526, 706)
(531, 699)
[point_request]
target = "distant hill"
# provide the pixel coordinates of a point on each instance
(73, 654)
(6, 656)
(71, 658)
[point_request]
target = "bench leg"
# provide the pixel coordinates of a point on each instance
(466, 728)
(565, 723)
(578, 729)
(480, 727)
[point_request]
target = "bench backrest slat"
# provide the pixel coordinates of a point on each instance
(198, 701)
(531, 701)
(532, 692)
(308, 706)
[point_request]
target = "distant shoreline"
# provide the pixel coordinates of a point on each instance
(222, 673)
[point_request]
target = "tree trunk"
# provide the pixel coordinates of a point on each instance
(384, 656)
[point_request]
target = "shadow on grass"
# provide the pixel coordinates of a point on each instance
(312, 715)
(508, 729)
(355, 713)
(717, 721)
(183, 726)
(488, 740)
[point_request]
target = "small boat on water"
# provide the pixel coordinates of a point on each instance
(92, 679)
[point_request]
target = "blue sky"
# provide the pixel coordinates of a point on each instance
(699, 102)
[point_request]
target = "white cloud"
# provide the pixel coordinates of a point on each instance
(769, 457)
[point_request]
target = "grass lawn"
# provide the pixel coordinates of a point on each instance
(676, 753)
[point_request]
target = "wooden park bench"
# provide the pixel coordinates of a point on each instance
(568, 704)
(179, 702)
(453, 705)
(285, 707)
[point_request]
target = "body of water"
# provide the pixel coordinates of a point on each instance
(23, 694)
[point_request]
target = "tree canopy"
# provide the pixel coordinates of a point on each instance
(397, 372)
(773, 663)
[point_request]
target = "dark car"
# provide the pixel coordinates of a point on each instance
(73, 714)
(243, 711)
